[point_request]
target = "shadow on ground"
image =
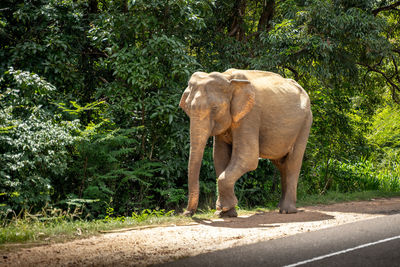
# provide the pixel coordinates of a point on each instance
(266, 219)
(386, 206)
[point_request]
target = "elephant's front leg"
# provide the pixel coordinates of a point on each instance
(221, 154)
(244, 158)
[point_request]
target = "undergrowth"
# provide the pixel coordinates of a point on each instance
(54, 225)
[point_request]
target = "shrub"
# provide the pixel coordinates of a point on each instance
(33, 142)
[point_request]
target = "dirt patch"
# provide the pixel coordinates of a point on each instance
(162, 244)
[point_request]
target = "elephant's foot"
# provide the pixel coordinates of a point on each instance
(286, 207)
(229, 213)
(226, 203)
(188, 213)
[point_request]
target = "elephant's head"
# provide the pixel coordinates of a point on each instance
(214, 102)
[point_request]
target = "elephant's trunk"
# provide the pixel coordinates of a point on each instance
(199, 133)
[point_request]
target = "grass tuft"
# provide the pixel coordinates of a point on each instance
(332, 197)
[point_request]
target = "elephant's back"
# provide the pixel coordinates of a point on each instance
(271, 84)
(251, 74)
(285, 98)
(281, 93)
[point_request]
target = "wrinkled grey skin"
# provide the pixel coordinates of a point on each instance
(252, 115)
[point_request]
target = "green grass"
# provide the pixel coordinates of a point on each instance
(334, 197)
(33, 231)
(28, 231)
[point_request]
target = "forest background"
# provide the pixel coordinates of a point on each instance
(89, 94)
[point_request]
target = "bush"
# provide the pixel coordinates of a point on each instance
(33, 144)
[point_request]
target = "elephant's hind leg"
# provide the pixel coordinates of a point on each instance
(289, 167)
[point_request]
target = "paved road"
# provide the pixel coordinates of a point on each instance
(374, 242)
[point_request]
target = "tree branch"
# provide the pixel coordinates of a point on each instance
(295, 73)
(395, 88)
(234, 30)
(384, 8)
(397, 70)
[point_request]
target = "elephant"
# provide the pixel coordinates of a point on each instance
(251, 114)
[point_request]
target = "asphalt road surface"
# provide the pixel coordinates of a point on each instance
(374, 242)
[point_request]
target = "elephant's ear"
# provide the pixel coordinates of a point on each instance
(182, 103)
(243, 98)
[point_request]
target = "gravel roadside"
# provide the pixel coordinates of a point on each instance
(162, 244)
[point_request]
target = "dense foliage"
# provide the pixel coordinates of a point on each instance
(89, 94)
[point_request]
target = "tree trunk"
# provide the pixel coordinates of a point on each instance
(266, 16)
(236, 27)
